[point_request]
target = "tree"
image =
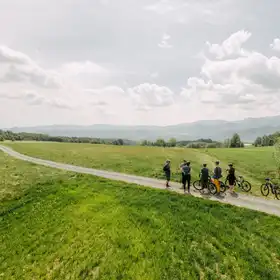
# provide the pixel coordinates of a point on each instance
(265, 140)
(258, 142)
(235, 141)
(118, 142)
(160, 142)
(144, 143)
(172, 142)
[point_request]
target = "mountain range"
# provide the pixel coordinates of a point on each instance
(219, 130)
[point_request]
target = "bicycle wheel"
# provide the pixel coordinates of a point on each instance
(212, 188)
(197, 185)
(265, 189)
(246, 186)
(277, 193)
(223, 187)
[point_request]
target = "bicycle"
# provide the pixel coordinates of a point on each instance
(241, 184)
(209, 185)
(275, 189)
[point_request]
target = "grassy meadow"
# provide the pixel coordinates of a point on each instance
(254, 163)
(62, 225)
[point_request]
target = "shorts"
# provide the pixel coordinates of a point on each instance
(168, 175)
(231, 180)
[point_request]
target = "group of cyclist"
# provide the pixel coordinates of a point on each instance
(185, 169)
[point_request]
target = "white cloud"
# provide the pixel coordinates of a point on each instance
(276, 44)
(35, 99)
(146, 96)
(231, 46)
(81, 68)
(113, 90)
(8, 55)
(164, 44)
(21, 68)
(98, 103)
(246, 82)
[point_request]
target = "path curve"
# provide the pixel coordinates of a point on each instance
(250, 202)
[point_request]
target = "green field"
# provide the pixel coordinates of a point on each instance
(254, 163)
(60, 225)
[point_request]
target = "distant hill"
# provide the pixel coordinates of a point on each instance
(218, 130)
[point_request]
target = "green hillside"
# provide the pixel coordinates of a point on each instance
(254, 163)
(59, 225)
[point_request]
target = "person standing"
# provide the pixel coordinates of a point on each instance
(217, 175)
(182, 173)
(167, 171)
(204, 176)
(186, 178)
(231, 177)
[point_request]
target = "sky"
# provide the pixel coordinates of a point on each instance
(155, 62)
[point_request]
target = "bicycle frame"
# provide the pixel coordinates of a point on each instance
(272, 186)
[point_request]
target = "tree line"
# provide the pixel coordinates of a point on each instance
(267, 140)
(24, 136)
(233, 142)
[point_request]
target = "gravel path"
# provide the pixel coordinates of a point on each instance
(241, 200)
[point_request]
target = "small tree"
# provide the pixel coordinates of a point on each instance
(172, 142)
(258, 142)
(235, 141)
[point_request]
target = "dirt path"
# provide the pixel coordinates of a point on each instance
(250, 202)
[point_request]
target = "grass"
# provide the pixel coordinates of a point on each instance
(61, 225)
(254, 163)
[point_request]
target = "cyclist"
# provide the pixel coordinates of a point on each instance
(204, 175)
(231, 177)
(186, 175)
(217, 175)
(167, 171)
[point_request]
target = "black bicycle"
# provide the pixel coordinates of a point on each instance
(241, 184)
(269, 186)
(198, 185)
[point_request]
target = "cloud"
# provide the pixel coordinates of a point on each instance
(21, 68)
(99, 103)
(276, 44)
(164, 44)
(81, 68)
(230, 46)
(147, 96)
(111, 90)
(35, 99)
(250, 80)
(8, 55)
